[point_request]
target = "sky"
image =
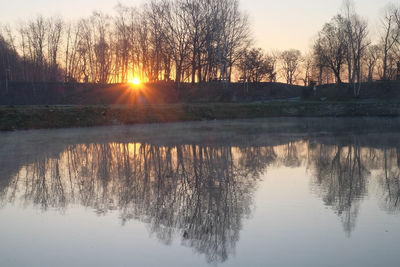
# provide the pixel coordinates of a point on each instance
(280, 25)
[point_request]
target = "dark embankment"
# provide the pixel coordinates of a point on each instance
(58, 105)
(152, 93)
(167, 92)
(34, 117)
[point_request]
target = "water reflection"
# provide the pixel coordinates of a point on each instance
(200, 192)
(389, 180)
(341, 174)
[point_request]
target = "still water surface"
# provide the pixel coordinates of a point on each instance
(276, 192)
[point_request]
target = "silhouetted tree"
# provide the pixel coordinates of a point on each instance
(330, 46)
(356, 38)
(255, 66)
(290, 61)
(390, 36)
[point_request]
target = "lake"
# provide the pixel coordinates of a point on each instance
(265, 192)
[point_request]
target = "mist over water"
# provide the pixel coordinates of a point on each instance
(277, 192)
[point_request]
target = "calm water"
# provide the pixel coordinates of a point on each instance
(278, 192)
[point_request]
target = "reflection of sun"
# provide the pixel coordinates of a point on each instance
(135, 81)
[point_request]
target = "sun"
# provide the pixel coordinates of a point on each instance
(135, 81)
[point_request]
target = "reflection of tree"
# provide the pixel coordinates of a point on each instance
(390, 180)
(291, 158)
(201, 193)
(255, 159)
(341, 175)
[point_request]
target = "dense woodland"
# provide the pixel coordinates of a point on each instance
(194, 41)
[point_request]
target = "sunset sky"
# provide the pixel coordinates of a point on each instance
(279, 24)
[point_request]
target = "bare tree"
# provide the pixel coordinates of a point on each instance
(37, 30)
(176, 35)
(273, 59)
(72, 53)
(255, 66)
(307, 68)
(54, 32)
(371, 58)
(356, 39)
(102, 46)
(330, 46)
(6, 53)
(290, 61)
(123, 45)
(196, 22)
(390, 34)
(238, 35)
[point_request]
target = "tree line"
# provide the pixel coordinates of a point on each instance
(194, 41)
(182, 40)
(344, 50)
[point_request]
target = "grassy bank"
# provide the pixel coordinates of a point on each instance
(35, 117)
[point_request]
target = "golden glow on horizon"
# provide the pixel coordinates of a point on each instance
(135, 81)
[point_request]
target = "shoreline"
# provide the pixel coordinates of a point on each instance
(68, 116)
